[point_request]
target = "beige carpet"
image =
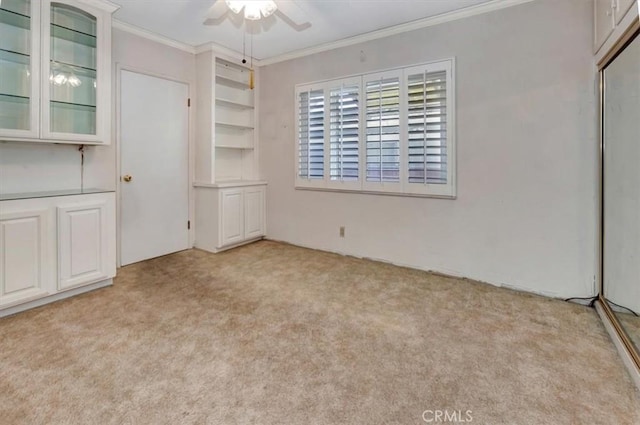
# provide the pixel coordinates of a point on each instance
(275, 334)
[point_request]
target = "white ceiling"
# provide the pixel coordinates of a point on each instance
(331, 20)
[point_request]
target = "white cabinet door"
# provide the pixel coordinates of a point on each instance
(76, 71)
(254, 212)
(622, 7)
(20, 69)
(604, 21)
(231, 216)
(83, 249)
(24, 265)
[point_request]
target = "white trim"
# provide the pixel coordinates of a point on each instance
(230, 183)
(467, 12)
(132, 29)
(105, 5)
(4, 312)
(222, 52)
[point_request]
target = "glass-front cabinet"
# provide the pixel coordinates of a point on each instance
(55, 70)
(19, 68)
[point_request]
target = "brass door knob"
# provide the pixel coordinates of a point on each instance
(127, 178)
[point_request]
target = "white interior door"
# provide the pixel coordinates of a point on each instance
(154, 134)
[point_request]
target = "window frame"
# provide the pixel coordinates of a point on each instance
(403, 187)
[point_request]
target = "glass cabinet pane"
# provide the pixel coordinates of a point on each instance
(72, 72)
(15, 64)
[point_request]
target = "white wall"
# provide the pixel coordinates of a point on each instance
(525, 215)
(28, 167)
(33, 167)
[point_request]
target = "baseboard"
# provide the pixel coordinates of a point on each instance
(226, 248)
(633, 370)
(446, 273)
(52, 298)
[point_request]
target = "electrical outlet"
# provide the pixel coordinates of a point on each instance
(342, 231)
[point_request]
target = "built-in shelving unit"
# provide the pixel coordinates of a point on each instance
(230, 198)
(226, 121)
(234, 111)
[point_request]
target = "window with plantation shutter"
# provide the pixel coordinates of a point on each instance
(344, 132)
(389, 132)
(427, 127)
(383, 129)
(429, 152)
(311, 134)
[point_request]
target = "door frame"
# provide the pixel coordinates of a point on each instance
(118, 140)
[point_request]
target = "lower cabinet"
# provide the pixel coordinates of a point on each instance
(83, 243)
(254, 212)
(229, 215)
(26, 263)
(55, 244)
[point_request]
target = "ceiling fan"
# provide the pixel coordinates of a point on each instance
(251, 10)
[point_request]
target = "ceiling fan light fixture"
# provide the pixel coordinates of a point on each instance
(235, 5)
(253, 9)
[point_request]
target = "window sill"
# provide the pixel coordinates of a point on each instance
(375, 192)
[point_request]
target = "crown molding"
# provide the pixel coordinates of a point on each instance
(132, 29)
(221, 50)
(479, 9)
(105, 5)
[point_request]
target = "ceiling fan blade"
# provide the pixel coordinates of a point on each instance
(216, 21)
(218, 12)
(298, 27)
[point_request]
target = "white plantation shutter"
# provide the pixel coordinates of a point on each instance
(383, 129)
(345, 132)
(427, 127)
(390, 132)
(311, 134)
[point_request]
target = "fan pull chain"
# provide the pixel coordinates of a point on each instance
(251, 76)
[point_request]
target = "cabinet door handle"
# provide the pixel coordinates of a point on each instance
(127, 178)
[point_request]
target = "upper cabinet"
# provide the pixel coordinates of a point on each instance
(612, 20)
(19, 68)
(55, 67)
(603, 21)
(621, 9)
